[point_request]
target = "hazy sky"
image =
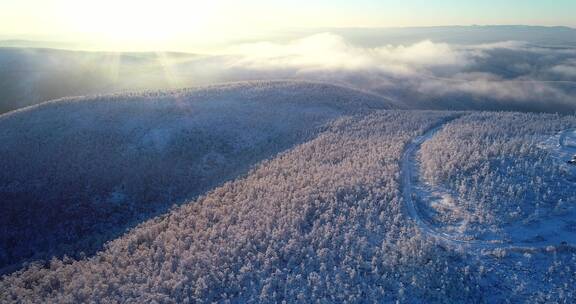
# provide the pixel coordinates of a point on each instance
(145, 21)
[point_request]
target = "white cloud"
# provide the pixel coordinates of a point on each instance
(329, 51)
(489, 85)
(510, 44)
(565, 69)
(508, 71)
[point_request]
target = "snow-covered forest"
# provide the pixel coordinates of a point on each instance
(498, 173)
(322, 222)
(323, 217)
(394, 152)
(124, 158)
(326, 166)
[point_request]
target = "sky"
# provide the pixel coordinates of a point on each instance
(146, 22)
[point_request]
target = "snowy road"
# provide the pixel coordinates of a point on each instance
(409, 171)
(409, 168)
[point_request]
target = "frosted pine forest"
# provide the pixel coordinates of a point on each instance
(417, 165)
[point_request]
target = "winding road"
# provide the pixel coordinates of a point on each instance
(409, 171)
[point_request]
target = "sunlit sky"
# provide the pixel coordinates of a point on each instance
(147, 22)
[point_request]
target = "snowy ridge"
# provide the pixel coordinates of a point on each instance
(67, 164)
(293, 91)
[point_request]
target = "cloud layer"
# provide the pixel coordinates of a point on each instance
(503, 75)
(332, 52)
(425, 73)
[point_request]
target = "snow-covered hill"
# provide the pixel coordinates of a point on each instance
(76, 172)
(288, 191)
(327, 221)
(321, 222)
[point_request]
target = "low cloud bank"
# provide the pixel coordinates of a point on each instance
(507, 75)
(428, 74)
(328, 51)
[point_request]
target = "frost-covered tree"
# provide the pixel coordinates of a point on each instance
(77, 172)
(496, 166)
(323, 222)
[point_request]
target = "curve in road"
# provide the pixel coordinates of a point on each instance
(409, 171)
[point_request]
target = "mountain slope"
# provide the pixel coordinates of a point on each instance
(322, 222)
(76, 172)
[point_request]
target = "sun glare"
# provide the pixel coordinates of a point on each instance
(141, 23)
